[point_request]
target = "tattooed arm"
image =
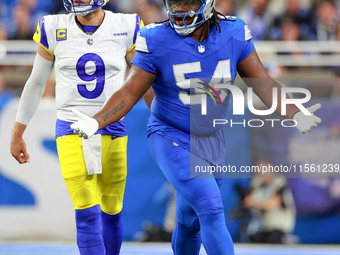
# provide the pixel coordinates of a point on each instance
(117, 106)
(121, 102)
(113, 111)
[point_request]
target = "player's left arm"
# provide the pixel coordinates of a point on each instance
(254, 74)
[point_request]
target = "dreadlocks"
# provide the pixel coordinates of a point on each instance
(214, 21)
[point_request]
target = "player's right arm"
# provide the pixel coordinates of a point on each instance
(29, 101)
(118, 105)
(142, 74)
(121, 102)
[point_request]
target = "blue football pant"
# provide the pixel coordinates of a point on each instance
(199, 208)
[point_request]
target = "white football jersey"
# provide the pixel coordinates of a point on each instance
(89, 68)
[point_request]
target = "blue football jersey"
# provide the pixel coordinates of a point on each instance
(187, 92)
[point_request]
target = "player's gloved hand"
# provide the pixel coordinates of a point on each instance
(307, 122)
(86, 126)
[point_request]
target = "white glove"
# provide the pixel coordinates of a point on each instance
(86, 126)
(307, 122)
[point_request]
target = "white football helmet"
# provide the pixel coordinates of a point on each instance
(205, 12)
(83, 9)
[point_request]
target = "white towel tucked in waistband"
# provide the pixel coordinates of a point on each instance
(92, 150)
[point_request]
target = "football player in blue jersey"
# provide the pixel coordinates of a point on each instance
(195, 50)
(90, 50)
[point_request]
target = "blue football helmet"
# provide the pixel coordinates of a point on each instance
(205, 12)
(83, 9)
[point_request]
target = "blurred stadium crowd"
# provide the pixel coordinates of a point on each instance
(268, 20)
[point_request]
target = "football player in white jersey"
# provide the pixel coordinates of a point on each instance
(90, 50)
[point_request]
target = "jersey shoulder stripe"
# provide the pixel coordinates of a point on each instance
(141, 44)
(50, 29)
(247, 33)
(40, 35)
(138, 26)
(236, 27)
(125, 24)
(154, 33)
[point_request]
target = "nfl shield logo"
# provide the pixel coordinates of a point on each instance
(201, 49)
(90, 41)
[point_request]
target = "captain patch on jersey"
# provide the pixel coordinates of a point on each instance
(61, 34)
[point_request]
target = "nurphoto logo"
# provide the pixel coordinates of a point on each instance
(221, 90)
